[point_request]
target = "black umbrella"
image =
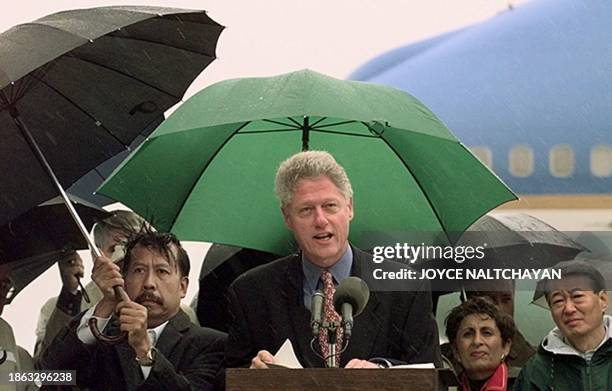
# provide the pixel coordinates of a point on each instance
(82, 84)
(86, 186)
(515, 241)
(78, 86)
(222, 265)
(46, 229)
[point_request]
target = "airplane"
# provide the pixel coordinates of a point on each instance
(529, 93)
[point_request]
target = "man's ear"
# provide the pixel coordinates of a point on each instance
(603, 299)
(287, 217)
(184, 284)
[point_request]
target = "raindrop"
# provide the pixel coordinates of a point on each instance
(98, 123)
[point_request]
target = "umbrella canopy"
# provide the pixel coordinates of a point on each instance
(207, 172)
(221, 266)
(86, 186)
(23, 271)
(45, 229)
(37, 239)
(86, 83)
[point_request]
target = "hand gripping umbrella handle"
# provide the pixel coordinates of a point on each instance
(109, 339)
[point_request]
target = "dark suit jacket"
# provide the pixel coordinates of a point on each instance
(267, 304)
(188, 357)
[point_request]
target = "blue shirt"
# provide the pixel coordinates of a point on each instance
(312, 274)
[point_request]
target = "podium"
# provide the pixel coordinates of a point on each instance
(328, 379)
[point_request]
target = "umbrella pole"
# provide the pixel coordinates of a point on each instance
(43, 161)
(119, 291)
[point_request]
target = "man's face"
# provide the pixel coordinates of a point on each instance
(319, 216)
(575, 308)
(116, 237)
(155, 283)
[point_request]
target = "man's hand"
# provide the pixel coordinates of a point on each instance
(106, 275)
(133, 320)
(357, 363)
(263, 357)
(71, 269)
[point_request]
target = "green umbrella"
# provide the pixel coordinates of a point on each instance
(207, 173)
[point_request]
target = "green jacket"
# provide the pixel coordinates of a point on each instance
(555, 367)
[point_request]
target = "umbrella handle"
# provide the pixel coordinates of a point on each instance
(109, 339)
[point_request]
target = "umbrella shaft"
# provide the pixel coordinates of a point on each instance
(43, 161)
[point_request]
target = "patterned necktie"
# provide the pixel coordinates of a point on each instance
(330, 315)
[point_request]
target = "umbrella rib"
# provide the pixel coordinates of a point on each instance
(211, 56)
(114, 35)
(318, 121)
(334, 124)
(299, 125)
(282, 123)
(212, 157)
(269, 131)
(345, 133)
(84, 112)
(179, 98)
(418, 183)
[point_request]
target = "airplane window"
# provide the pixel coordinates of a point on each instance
(484, 154)
(561, 161)
(521, 161)
(601, 161)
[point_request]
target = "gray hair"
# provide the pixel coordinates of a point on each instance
(121, 220)
(309, 165)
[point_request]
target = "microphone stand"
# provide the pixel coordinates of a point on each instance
(332, 334)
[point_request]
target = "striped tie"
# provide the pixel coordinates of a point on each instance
(330, 315)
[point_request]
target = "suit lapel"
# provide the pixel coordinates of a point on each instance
(168, 339)
(173, 333)
(299, 316)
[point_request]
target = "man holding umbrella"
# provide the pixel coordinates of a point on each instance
(164, 350)
(110, 236)
(271, 303)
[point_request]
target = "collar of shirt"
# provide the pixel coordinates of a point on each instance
(588, 355)
(312, 273)
(154, 333)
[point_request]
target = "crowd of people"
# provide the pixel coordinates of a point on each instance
(161, 345)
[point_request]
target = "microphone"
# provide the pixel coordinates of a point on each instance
(351, 297)
(316, 309)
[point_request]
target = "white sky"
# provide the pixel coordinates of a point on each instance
(265, 38)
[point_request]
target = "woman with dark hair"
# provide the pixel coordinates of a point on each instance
(480, 336)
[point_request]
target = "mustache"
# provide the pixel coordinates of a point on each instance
(148, 296)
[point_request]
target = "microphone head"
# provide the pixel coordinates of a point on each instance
(352, 290)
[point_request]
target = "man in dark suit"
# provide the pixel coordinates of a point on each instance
(164, 350)
(271, 303)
